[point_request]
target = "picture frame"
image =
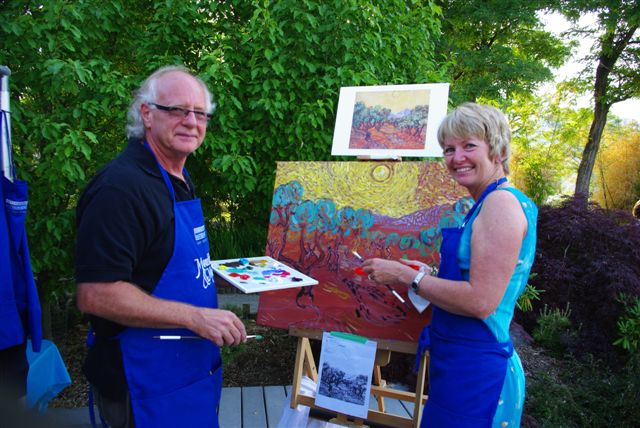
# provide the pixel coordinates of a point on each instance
(390, 122)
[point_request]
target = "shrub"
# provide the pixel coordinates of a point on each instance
(586, 393)
(629, 325)
(586, 257)
(554, 329)
(530, 293)
(229, 241)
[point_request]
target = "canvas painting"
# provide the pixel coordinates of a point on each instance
(324, 211)
(387, 122)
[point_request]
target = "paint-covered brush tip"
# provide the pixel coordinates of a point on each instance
(254, 336)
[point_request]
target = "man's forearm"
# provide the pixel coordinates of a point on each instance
(126, 304)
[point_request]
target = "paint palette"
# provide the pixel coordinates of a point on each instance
(256, 274)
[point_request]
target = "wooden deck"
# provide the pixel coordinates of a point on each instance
(252, 406)
(246, 407)
(261, 406)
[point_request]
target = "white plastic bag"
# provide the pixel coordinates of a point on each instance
(298, 417)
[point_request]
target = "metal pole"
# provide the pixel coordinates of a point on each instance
(5, 133)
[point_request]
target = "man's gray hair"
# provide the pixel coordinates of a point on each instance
(147, 92)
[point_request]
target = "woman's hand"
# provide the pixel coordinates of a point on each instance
(389, 271)
(415, 264)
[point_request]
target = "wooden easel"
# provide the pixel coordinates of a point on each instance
(306, 365)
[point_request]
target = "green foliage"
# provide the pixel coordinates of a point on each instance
(546, 133)
(228, 242)
(617, 179)
(284, 63)
(275, 69)
(612, 68)
(554, 328)
(629, 325)
(497, 49)
(585, 393)
(530, 293)
(74, 66)
(65, 96)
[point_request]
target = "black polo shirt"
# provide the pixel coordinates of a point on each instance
(125, 232)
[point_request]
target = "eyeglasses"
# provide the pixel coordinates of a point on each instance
(182, 113)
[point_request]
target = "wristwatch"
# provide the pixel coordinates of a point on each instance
(416, 281)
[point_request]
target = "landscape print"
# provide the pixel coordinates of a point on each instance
(324, 211)
(390, 120)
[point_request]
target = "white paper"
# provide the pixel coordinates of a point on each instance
(419, 302)
(346, 369)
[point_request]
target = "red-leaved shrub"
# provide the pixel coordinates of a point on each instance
(586, 256)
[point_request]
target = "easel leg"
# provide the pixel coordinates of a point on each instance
(422, 372)
(377, 380)
(304, 362)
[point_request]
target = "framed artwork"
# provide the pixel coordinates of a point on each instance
(324, 211)
(256, 274)
(386, 122)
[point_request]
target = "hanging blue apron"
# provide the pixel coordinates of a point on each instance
(177, 383)
(20, 313)
(467, 365)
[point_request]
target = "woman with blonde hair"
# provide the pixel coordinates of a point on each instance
(476, 378)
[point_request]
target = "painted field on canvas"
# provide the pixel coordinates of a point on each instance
(323, 211)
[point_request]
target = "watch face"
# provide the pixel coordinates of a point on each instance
(416, 281)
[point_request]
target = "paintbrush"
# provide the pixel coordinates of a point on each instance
(177, 337)
(395, 293)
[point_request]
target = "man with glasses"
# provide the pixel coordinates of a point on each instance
(143, 269)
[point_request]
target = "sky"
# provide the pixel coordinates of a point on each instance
(629, 109)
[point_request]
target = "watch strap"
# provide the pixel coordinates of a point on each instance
(416, 281)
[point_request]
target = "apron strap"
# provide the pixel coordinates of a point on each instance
(493, 186)
(165, 175)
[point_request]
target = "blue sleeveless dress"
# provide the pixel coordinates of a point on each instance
(509, 410)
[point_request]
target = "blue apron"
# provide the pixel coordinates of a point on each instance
(175, 383)
(20, 313)
(467, 364)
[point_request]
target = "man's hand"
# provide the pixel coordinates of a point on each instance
(128, 305)
(219, 326)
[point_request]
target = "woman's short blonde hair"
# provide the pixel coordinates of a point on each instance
(483, 122)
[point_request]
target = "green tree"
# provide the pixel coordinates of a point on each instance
(65, 98)
(275, 69)
(617, 184)
(496, 49)
(546, 134)
(616, 59)
(279, 67)
(74, 66)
